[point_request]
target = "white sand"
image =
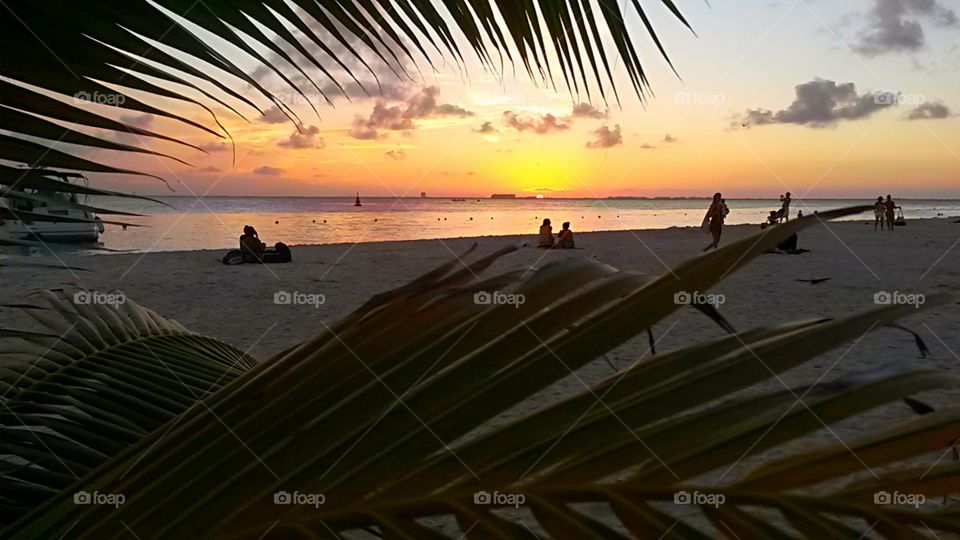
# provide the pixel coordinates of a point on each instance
(237, 303)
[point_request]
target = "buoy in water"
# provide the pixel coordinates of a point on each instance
(357, 202)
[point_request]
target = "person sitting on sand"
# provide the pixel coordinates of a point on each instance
(565, 237)
(546, 235)
(713, 221)
(250, 245)
(889, 207)
(878, 212)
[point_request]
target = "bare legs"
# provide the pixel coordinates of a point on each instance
(716, 239)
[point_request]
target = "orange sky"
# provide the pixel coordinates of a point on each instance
(680, 143)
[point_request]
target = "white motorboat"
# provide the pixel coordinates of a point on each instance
(58, 216)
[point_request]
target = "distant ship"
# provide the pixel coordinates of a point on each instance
(357, 202)
(503, 196)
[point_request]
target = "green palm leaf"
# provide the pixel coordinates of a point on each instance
(96, 380)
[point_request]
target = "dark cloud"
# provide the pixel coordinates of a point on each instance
(604, 137)
(895, 25)
(215, 146)
(487, 128)
(396, 154)
(267, 170)
(929, 111)
(542, 125)
(648, 146)
(308, 138)
(668, 138)
(274, 115)
(586, 110)
(423, 104)
(822, 103)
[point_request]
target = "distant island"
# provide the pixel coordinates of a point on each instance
(503, 196)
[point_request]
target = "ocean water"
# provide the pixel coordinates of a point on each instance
(190, 223)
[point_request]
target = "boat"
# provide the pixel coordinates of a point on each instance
(59, 216)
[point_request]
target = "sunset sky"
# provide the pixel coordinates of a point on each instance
(820, 98)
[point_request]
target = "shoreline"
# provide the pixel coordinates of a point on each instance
(88, 252)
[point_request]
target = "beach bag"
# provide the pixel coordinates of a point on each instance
(279, 254)
(233, 257)
(900, 221)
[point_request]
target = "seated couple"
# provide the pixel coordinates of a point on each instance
(252, 250)
(564, 237)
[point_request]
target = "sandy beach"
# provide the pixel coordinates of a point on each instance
(236, 303)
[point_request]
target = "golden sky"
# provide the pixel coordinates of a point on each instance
(776, 97)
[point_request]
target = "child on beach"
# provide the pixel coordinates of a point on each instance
(565, 237)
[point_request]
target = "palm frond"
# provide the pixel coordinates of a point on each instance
(122, 48)
(388, 414)
(98, 378)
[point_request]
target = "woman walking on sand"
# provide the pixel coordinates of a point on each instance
(713, 220)
(879, 209)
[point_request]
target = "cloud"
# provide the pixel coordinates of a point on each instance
(822, 103)
(215, 146)
(307, 139)
(487, 128)
(388, 90)
(267, 170)
(648, 146)
(604, 137)
(929, 111)
(586, 110)
(542, 125)
(274, 115)
(210, 168)
(423, 104)
(140, 120)
(668, 138)
(895, 25)
(396, 154)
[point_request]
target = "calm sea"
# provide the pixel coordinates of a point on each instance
(216, 222)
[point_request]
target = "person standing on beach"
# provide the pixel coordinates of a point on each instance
(785, 209)
(879, 210)
(890, 207)
(714, 220)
